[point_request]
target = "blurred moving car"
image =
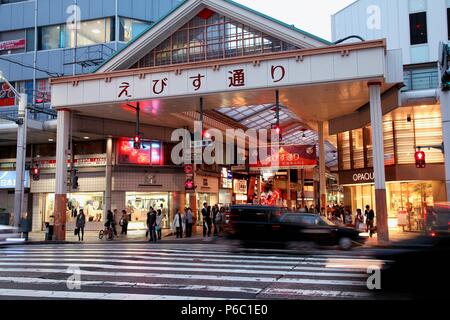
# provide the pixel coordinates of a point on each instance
(9, 234)
(249, 222)
(438, 222)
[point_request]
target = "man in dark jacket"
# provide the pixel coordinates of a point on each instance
(206, 214)
(151, 224)
(370, 219)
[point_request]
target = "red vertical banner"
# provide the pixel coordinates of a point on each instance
(251, 187)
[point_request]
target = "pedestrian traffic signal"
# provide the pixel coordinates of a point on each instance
(445, 66)
(420, 160)
(36, 174)
(137, 142)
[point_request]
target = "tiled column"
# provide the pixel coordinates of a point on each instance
(322, 167)
(108, 176)
(378, 162)
(62, 144)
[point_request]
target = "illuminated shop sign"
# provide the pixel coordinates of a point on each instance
(12, 44)
(240, 186)
(150, 154)
(289, 157)
(8, 179)
(226, 179)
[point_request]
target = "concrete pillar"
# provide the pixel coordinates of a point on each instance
(445, 110)
(62, 144)
(108, 176)
(20, 160)
(322, 167)
(378, 162)
(288, 189)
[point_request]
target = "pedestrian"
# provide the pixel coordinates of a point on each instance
(124, 223)
(110, 224)
(80, 224)
(178, 224)
(148, 218)
(189, 221)
(359, 220)
(206, 230)
(370, 218)
(158, 227)
(215, 213)
(220, 219)
(151, 223)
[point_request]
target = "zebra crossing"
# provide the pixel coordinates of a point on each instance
(178, 272)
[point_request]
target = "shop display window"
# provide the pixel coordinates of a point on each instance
(138, 205)
(91, 203)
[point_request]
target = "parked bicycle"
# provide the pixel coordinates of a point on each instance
(107, 233)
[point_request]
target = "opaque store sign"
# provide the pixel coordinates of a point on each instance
(8, 179)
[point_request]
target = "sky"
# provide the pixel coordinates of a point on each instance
(313, 16)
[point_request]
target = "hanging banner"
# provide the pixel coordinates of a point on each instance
(12, 44)
(289, 157)
(6, 95)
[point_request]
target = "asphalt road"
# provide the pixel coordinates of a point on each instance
(186, 271)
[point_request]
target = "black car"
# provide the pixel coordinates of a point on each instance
(318, 229)
(277, 224)
(254, 221)
(438, 223)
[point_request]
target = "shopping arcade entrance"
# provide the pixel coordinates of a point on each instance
(317, 82)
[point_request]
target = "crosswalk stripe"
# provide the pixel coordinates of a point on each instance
(285, 279)
(27, 280)
(93, 295)
(194, 254)
(294, 293)
(169, 258)
(184, 269)
(79, 259)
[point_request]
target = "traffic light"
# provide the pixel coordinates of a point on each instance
(420, 159)
(137, 142)
(74, 180)
(36, 174)
(445, 66)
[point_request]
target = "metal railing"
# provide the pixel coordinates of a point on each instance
(420, 80)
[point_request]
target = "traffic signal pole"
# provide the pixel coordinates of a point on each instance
(444, 65)
(445, 110)
(20, 159)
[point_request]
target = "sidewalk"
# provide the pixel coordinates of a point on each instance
(396, 239)
(131, 237)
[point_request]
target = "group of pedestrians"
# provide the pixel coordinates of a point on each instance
(212, 216)
(154, 225)
(182, 223)
(343, 215)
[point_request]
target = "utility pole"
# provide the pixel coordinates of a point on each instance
(21, 156)
(20, 159)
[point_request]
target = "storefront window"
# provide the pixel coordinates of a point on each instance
(358, 149)
(210, 36)
(404, 138)
(138, 205)
(51, 37)
(130, 28)
(344, 151)
(91, 203)
(411, 198)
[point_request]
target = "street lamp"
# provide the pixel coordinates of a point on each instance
(21, 151)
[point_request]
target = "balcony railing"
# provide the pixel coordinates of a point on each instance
(420, 80)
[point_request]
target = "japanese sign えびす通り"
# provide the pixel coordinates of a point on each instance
(288, 157)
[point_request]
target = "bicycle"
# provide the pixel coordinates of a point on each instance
(107, 232)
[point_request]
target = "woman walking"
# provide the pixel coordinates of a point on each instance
(158, 228)
(178, 224)
(124, 223)
(80, 224)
